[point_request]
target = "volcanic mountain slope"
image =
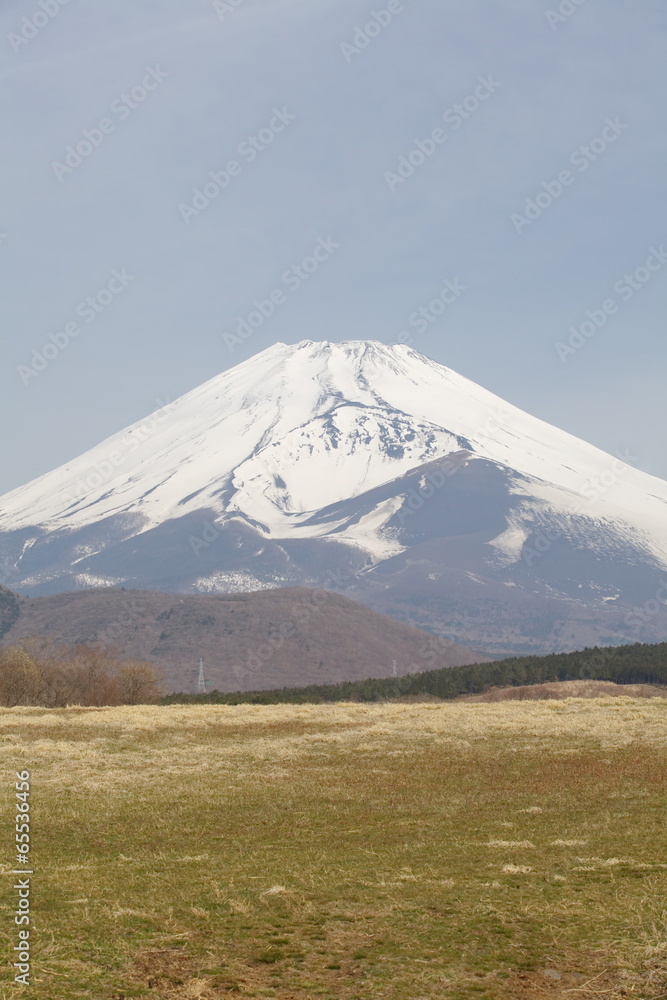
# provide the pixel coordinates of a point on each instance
(366, 468)
(271, 639)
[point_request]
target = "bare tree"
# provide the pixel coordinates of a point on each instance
(92, 676)
(139, 683)
(38, 672)
(21, 681)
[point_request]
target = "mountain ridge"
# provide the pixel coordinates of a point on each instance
(271, 638)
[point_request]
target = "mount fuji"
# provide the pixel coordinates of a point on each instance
(371, 470)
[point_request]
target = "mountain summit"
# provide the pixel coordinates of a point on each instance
(365, 467)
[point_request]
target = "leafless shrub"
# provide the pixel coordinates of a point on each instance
(20, 679)
(39, 673)
(138, 683)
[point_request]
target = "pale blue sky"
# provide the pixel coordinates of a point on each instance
(218, 78)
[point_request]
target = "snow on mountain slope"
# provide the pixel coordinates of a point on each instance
(369, 469)
(297, 428)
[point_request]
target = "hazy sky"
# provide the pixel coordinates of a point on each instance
(308, 116)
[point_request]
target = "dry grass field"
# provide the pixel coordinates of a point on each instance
(567, 689)
(507, 851)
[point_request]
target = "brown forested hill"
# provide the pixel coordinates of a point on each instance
(268, 639)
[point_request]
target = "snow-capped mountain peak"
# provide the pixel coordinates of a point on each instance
(321, 443)
(299, 427)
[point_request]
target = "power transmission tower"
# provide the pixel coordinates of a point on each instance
(201, 683)
(394, 668)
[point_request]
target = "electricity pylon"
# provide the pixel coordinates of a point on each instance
(201, 683)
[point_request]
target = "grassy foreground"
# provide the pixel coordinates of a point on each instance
(403, 851)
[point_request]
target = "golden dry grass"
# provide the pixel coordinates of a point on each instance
(408, 852)
(568, 689)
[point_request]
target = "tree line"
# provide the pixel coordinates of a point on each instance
(39, 673)
(639, 663)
